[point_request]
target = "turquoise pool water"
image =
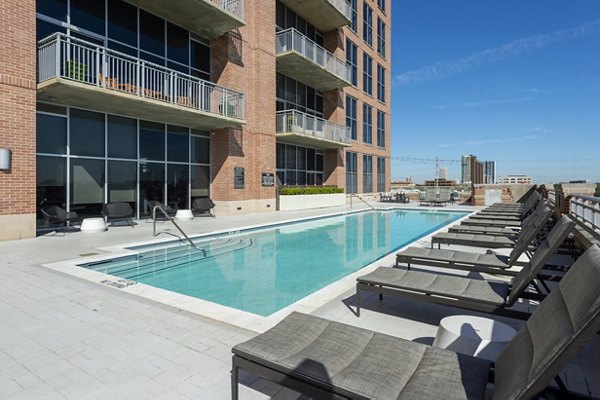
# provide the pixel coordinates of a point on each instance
(263, 271)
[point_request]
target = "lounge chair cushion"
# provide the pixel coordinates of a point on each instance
(414, 254)
(473, 239)
(495, 217)
(455, 287)
(354, 361)
(490, 222)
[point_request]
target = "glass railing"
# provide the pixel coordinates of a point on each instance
(62, 56)
(293, 40)
(292, 121)
(233, 7)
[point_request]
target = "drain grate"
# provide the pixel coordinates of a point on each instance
(120, 284)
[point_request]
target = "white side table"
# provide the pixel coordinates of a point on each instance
(93, 225)
(184, 214)
(475, 336)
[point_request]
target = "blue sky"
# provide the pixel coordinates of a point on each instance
(513, 81)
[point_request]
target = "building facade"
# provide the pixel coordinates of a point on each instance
(514, 180)
(139, 100)
(489, 172)
(471, 170)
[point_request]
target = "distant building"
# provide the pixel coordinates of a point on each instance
(472, 170)
(514, 179)
(489, 172)
(443, 173)
(398, 185)
(440, 182)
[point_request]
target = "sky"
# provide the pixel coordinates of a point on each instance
(511, 81)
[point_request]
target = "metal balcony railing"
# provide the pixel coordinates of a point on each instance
(233, 7)
(292, 40)
(586, 209)
(297, 122)
(62, 56)
(344, 6)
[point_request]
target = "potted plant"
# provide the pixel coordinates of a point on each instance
(76, 70)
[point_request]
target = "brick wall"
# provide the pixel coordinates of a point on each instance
(17, 109)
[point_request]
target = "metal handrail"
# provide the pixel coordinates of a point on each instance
(298, 122)
(361, 199)
(67, 57)
(586, 209)
(233, 7)
(159, 207)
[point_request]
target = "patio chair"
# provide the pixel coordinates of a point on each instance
(535, 223)
(444, 197)
(327, 359)
(202, 206)
(119, 211)
(463, 292)
(488, 262)
(58, 215)
(500, 222)
(430, 196)
(171, 211)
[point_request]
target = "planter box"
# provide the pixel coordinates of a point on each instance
(304, 202)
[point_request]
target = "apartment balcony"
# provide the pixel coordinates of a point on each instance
(325, 15)
(77, 73)
(210, 18)
(298, 128)
(302, 59)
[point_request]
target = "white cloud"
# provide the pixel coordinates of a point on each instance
(492, 55)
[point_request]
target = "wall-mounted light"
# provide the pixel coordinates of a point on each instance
(5, 156)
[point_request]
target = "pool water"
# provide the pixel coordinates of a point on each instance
(263, 271)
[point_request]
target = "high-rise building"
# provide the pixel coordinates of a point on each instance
(471, 170)
(443, 173)
(515, 180)
(489, 172)
(138, 101)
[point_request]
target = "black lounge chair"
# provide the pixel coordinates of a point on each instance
(203, 205)
(119, 211)
(462, 292)
(58, 215)
(171, 211)
(488, 262)
(331, 360)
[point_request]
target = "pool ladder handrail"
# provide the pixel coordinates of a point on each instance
(159, 207)
(361, 199)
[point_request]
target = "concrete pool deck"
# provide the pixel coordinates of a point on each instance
(67, 338)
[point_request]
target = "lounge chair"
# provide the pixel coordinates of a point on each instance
(488, 262)
(444, 197)
(327, 360)
(58, 215)
(522, 210)
(531, 229)
(119, 211)
(203, 205)
(171, 211)
(430, 196)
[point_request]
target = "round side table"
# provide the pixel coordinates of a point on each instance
(475, 336)
(93, 225)
(183, 214)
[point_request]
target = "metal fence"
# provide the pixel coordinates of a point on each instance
(234, 7)
(70, 58)
(298, 122)
(586, 209)
(292, 40)
(344, 6)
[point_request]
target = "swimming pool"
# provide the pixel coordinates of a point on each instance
(264, 270)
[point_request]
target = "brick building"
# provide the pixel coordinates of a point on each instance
(139, 100)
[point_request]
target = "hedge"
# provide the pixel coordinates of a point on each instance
(294, 191)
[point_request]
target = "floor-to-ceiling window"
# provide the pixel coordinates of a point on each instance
(297, 165)
(86, 159)
(351, 172)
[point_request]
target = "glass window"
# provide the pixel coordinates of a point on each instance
(88, 14)
(200, 56)
(280, 15)
(351, 172)
(51, 134)
(280, 155)
(178, 178)
(380, 83)
(380, 174)
(152, 184)
(51, 181)
(86, 133)
(200, 181)
(45, 29)
(152, 141)
(87, 186)
(367, 24)
(122, 137)
(152, 33)
(122, 182)
(352, 60)
(122, 22)
(367, 124)
(354, 18)
(319, 162)
(367, 74)
(290, 157)
(310, 159)
(178, 144)
(367, 173)
(380, 128)
(380, 37)
(52, 8)
(301, 158)
(291, 178)
(381, 5)
(351, 116)
(178, 44)
(200, 149)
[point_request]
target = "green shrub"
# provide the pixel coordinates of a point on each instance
(294, 191)
(77, 70)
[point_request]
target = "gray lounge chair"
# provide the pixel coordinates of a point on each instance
(530, 230)
(443, 197)
(203, 205)
(119, 211)
(488, 262)
(458, 291)
(331, 360)
(430, 196)
(58, 215)
(521, 210)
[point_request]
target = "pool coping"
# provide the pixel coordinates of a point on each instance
(218, 312)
